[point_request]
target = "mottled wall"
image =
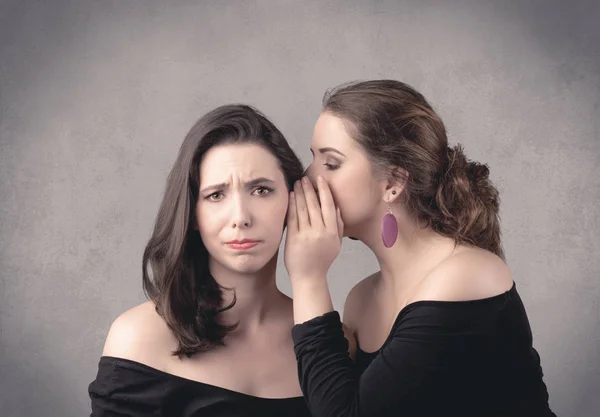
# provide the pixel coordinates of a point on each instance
(96, 96)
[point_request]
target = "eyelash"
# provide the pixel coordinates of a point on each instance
(209, 197)
(331, 167)
(262, 187)
(269, 191)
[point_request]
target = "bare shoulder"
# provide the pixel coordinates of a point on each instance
(468, 274)
(356, 299)
(139, 334)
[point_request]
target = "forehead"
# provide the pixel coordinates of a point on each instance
(245, 160)
(331, 130)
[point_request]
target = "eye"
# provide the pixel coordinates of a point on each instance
(216, 196)
(262, 191)
(331, 167)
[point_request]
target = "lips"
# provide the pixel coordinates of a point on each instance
(243, 244)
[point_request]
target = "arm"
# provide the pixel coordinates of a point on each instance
(416, 359)
(118, 389)
(124, 388)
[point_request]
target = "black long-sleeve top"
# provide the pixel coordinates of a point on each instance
(441, 358)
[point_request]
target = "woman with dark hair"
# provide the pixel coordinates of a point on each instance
(440, 329)
(214, 339)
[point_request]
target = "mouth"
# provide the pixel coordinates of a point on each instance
(243, 244)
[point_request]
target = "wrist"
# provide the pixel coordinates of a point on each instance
(311, 298)
(308, 281)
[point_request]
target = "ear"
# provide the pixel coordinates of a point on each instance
(395, 185)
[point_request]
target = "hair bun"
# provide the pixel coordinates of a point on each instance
(460, 167)
(468, 202)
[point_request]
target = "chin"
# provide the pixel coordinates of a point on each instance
(249, 265)
(246, 268)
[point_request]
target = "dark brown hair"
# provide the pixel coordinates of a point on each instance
(176, 276)
(398, 128)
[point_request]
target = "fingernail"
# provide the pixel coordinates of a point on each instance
(305, 180)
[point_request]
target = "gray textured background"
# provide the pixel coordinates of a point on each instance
(96, 96)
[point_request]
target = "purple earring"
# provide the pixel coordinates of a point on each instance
(389, 228)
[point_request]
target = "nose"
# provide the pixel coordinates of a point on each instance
(240, 217)
(311, 173)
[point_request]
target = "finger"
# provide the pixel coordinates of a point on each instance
(340, 224)
(301, 209)
(312, 203)
(327, 204)
(292, 218)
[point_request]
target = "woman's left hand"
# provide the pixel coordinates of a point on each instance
(314, 232)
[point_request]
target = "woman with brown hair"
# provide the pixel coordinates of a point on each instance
(441, 329)
(214, 339)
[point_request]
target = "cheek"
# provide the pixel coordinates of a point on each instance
(209, 222)
(274, 215)
(353, 195)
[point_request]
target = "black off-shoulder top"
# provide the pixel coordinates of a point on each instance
(127, 388)
(441, 358)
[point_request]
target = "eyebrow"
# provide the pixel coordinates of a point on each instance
(248, 184)
(325, 150)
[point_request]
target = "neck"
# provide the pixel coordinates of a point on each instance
(256, 295)
(416, 251)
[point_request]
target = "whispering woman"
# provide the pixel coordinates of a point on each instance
(440, 327)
